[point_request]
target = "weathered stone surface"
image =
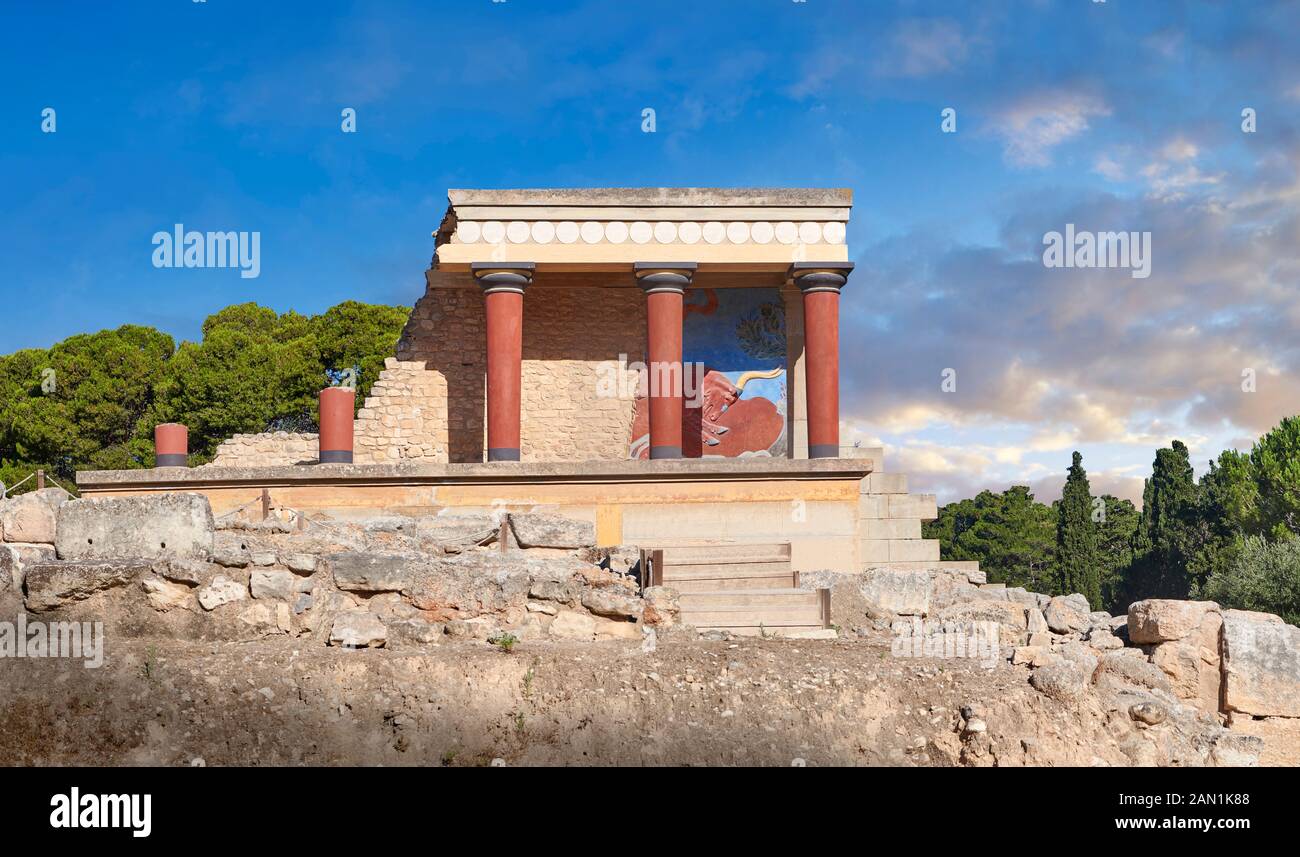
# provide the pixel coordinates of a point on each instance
(565, 592)
(413, 631)
(1064, 680)
(1005, 613)
(1261, 664)
(1101, 638)
(1159, 620)
(605, 602)
(303, 563)
(165, 594)
(1150, 712)
(262, 618)
(1063, 615)
(1130, 667)
(279, 585)
(906, 593)
(230, 548)
(58, 582)
(1192, 662)
(32, 517)
(370, 572)
(1035, 622)
(455, 531)
(662, 606)
(540, 530)
(570, 625)
(471, 584)
(222, 590)
(15, 557)
(358, 628)
(189, 571)
(154, 525)
(613, 629)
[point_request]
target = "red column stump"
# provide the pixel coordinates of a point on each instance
(171, 445)
(336, 409)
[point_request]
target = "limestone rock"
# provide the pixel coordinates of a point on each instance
(541, 530)
(613, 629)
(1129, 667)
(277, 585)
(165, 594)
(370, 572)
(906, 593)
(571, 625)
(662, 606)
(1159, 620)
(16, 557)
(1192, 662)
(604, 602)
(1150, 712)
(357, 629)
(32, 517)
(1063, 615)
(413, 631)
(56, 583)
(1064, 681)
(303, 563)
(1261, 664)
(153, 525)
(231, 550)
(222, 590)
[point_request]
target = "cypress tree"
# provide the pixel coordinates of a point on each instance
(1077, 563)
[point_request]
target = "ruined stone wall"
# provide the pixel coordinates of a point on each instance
(267, 449)
(428, 404)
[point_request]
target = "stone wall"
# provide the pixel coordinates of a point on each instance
(428, 403)
(267, 449)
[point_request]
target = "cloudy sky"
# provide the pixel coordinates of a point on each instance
(1125, 115)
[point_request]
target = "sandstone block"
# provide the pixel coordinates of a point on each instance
(540, 530)
(57, 583)
(1159, 620)
(153, 525)
(358, 629)
(1261, 664)
(32, 517)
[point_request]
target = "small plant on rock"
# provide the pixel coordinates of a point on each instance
(504, 641)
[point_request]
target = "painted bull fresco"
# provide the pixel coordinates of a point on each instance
(734, 341)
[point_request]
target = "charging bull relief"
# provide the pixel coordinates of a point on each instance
(734, 380)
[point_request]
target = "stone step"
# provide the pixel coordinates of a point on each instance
(713, 584)
(747, 567)
(754, 609)
(724, 552)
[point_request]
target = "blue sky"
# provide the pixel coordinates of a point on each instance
(1122, 115)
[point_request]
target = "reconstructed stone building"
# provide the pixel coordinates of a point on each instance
(661, 362)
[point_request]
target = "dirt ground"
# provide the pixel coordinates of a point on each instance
(689, 702)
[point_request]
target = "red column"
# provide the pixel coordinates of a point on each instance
(336, 409)
(665, 285)
(171, 445)
(503, 287)
(820, 283)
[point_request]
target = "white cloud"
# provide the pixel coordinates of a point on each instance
(1036, 124)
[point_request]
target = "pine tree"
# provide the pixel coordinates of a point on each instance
(1077, 563)
(1165, 539)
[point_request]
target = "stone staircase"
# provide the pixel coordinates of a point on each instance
(889, 522)
(744, 588)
